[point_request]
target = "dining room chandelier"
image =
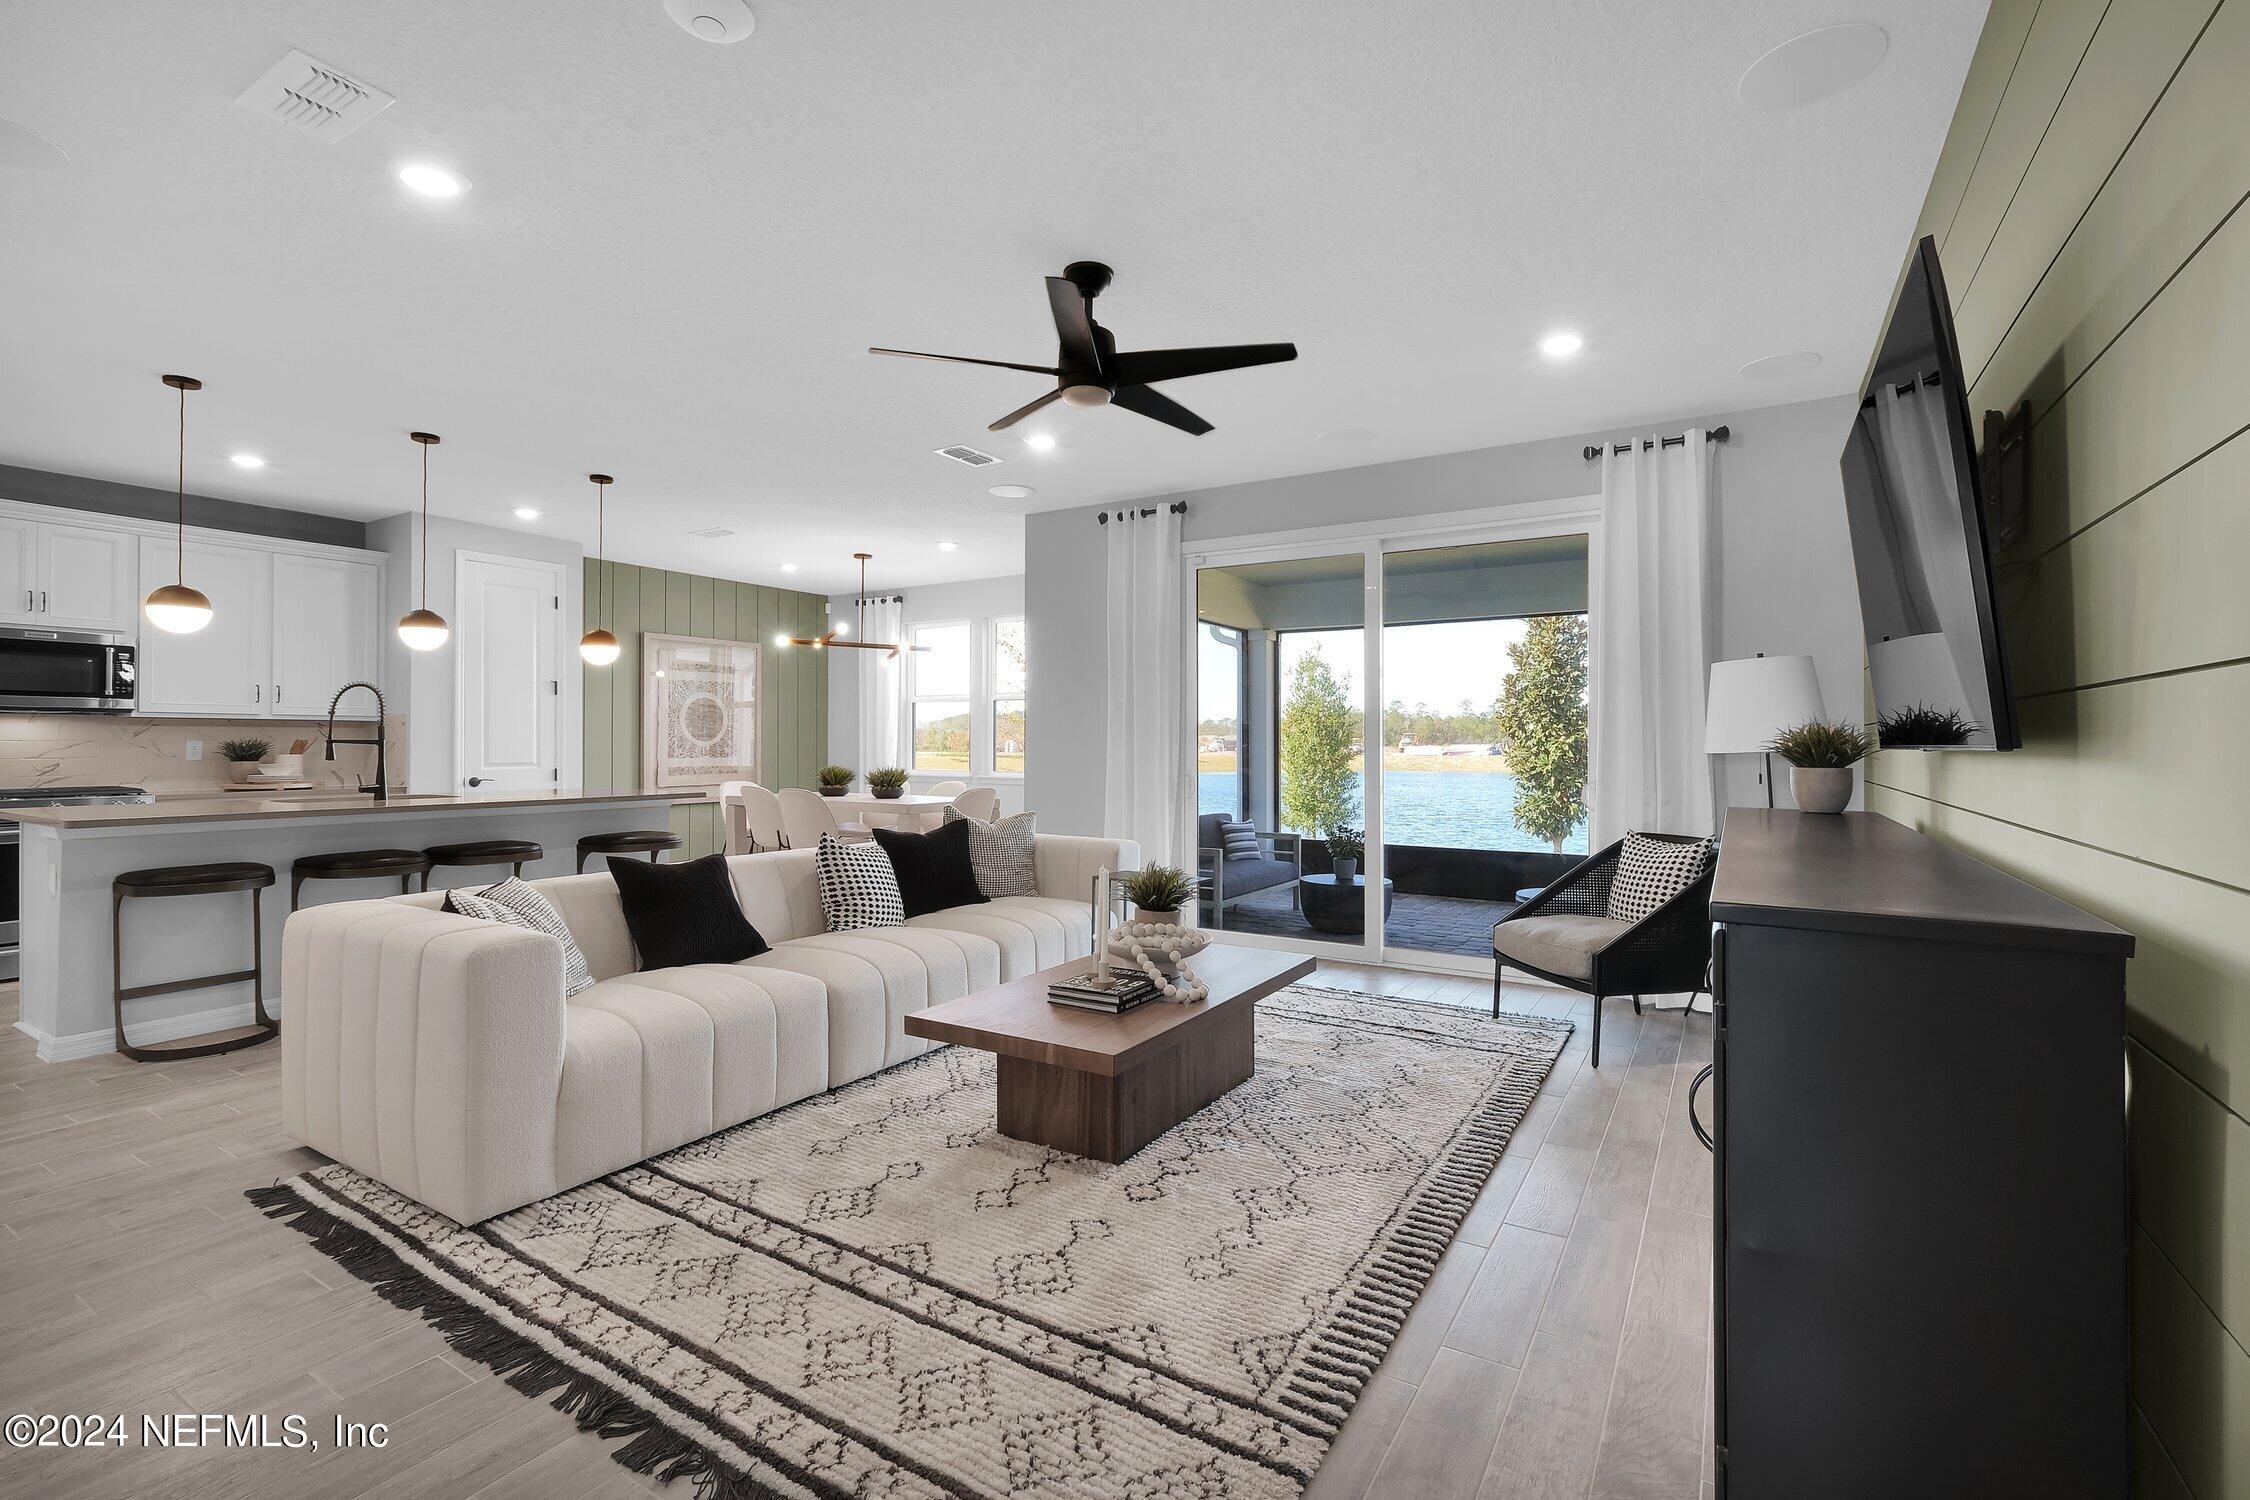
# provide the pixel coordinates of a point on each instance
(836, 634)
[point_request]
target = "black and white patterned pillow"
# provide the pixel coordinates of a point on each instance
(518, 905)
(858, 887)
(1239, 840)
(1001, 854)
(1651, 871)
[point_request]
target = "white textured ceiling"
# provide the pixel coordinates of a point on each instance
(675, 253)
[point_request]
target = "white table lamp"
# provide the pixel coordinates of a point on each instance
(1753, 699)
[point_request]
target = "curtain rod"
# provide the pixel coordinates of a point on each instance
(1177, 508)
(1909, 387)
(878, 599)
(1593, 450)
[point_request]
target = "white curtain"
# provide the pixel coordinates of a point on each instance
(1651, 639)
(1144, 798)
(882, 689)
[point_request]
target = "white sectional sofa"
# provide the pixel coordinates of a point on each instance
(435, 1053)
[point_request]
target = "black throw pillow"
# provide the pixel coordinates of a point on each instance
(684, 913)
(933, 869)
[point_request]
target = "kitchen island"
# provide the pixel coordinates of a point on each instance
(71, 854)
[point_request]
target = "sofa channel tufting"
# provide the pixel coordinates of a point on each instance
(435, 1052)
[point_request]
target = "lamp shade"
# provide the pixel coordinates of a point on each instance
(1754, 699)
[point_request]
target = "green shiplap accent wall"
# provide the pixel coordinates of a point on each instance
(792, 722)
(2089, 209)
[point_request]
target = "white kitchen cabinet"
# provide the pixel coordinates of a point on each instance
(19, 567)
(327, 631)
(87, 578)
(222, 670)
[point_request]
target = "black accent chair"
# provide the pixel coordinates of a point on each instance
(1666, 952)
(1220, 882)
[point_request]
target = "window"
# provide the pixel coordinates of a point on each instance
(1220, 786)
(940, 688)
(1009, 646)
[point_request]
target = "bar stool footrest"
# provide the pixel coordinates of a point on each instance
(227, 1039)
(174, 986)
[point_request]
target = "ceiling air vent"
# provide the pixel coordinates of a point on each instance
(712, 533)
(309, 95)
(961, 453)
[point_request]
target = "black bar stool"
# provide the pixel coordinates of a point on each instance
(193, 880)
(359, 864)
(515, 853)
(649, 841)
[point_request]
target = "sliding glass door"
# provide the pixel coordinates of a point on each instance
(1391, 739)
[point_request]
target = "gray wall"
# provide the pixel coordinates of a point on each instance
(140, 503)
(1783, 576)
(2087, 209)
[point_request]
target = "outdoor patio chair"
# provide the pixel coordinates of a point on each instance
(1222, 881)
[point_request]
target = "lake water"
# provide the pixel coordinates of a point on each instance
(1442, 809)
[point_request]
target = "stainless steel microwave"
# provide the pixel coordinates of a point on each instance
(65, 671)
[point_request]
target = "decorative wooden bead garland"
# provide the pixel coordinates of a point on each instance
(1136, 941)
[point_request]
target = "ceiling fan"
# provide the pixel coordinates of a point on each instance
(1089, 371)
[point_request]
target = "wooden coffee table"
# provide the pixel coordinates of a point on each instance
(1105, 1086)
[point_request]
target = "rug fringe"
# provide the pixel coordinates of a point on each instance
(655, 1448)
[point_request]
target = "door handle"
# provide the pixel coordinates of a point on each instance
(476, 781)
(42, 601)
(257, 692)
(1694, 1123)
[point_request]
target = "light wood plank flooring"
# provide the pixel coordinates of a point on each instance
(1560, 1350)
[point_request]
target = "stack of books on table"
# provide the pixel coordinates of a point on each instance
(1128, 988)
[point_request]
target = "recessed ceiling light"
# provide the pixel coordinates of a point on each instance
(28, 150)
(788, 567)
(247, 460)
(1040, 442)
(947, 546)
(1013, 491)
(1347, 437)
(1561, 344)
(432, 181)
(1782, 366)
(712, 20)
(1813, 66)
(526, 513)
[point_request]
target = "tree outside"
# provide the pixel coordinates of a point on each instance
(1542, 715)
(1320, 730)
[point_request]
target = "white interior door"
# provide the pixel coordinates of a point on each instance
(510, 690)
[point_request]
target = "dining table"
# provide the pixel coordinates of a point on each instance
(915, 812)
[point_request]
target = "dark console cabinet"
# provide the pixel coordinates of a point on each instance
(1919, 1121)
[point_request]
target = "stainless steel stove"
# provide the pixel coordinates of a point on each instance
(11, 840)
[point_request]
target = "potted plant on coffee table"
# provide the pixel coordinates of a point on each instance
(242, 757)
(887, 783)
(835, 780)
(1159, 892)
(1821, 757)
(1346, 848)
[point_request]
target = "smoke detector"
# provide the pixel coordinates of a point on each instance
(962, 453)
(306, 94)
(712, 533)
(712, 20)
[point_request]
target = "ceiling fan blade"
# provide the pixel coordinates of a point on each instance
(1012, 418)
(1148, 365)
(1074, 324)
(962, 359)
(1163, 408)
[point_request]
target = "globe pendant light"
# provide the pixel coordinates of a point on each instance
(175, 607)
(424, 629)
(597, 647)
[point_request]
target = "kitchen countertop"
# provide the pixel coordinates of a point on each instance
(238, 806)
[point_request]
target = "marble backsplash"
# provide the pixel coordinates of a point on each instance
(102, 750)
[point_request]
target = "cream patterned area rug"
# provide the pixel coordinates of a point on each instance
(874, 1293)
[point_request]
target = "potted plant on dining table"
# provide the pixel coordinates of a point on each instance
(887, 783)
(835, 780)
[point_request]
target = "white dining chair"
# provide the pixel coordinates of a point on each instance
(949, 789)
(979, 802)
(805, 816)
(761, 818)
(732, 826)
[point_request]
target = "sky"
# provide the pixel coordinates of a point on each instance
(1434, 664)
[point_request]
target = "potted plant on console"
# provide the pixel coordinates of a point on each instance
(1346, 848)
(887, 783)
(242, 757)
(835, 780)
(1821, 757)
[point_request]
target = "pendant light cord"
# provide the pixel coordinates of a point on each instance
(601, 549)
(425, 525)
(179, 548)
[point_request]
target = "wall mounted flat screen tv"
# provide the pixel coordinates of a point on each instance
(1914, 494)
